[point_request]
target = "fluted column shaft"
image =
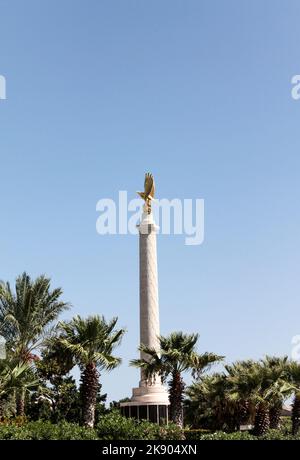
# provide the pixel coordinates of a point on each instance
(149, 307)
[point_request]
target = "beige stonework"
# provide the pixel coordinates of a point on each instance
(149, 310)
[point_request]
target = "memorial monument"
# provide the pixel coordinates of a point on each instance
(149, 400)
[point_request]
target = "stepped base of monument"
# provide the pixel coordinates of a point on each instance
(148, 403)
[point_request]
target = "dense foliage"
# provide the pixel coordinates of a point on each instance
(115, 427)
(247, 393)
(40, 399)
(110, 427)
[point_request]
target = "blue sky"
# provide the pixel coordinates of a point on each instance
(199, 93)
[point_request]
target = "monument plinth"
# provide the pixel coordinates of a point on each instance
(149, 400)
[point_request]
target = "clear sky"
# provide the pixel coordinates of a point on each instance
(199, 93)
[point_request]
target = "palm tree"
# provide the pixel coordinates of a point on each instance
(91, 342)
(176, 355)
(15, 376)
(294, 374)
(225, 401)
(263, 385)
(241, 385)
(248, 393)
(209, 405)
(25, 315)
(272, 390)
(277, 380)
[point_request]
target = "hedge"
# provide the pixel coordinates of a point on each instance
(110, 427)
(115, 427)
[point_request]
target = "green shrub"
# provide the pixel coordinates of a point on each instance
(68, 431)
(110, 427)
(221, 436)
(279, 435)
(114, 426)
(239, 436)
(194, 434)
(14, 432)
(41, 430)
(286, 425)
(151, 431)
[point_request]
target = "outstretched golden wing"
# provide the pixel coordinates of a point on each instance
(149, 185)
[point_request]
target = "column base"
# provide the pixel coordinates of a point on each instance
(148, 403)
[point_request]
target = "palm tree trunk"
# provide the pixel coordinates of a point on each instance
(244, 413)
(274, 417)
(176, 398)
(20, 403)
(89, 389)
(1, 407)
(262, 420)
(296, 415)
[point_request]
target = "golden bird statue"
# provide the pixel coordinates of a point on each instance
(148, 193)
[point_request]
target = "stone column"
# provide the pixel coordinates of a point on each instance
(149, 310)
(148, 399)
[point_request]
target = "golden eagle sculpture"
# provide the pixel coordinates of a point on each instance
(148, 193)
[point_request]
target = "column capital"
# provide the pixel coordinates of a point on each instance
(147, 224)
